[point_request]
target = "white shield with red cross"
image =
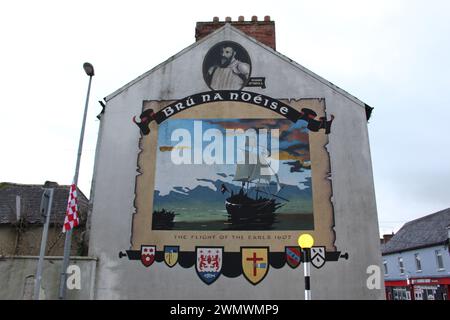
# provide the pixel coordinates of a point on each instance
(148, 255)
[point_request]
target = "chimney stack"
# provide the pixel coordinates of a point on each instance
(387, 238)
(263, 31)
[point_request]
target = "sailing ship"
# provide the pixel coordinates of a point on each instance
(254, 206)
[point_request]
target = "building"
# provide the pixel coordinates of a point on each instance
(175, 218)
(416, 260)
(21, 226)
(21, 222)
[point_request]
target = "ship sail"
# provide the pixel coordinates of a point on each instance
(268, 173)
(254, 172)
(244, 172)
(245, 210)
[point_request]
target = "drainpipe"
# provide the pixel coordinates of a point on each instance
(448, 237)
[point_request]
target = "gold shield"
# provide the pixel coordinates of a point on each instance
(171, 255)
(255, 264)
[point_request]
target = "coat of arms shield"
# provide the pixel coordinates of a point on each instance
(255, 264)
(318, 257)
(293, 256)
(171, 255)
(148, 255)
(209, 263)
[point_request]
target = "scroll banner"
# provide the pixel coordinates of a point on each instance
(232, 267)
(257, 99)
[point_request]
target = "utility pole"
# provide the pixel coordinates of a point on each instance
(89, 69)
(45, 209)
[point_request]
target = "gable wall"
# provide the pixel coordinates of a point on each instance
(354, 198)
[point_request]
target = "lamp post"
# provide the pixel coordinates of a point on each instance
(89, 69)
(306, 241)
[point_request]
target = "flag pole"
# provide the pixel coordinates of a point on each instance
(89, 69)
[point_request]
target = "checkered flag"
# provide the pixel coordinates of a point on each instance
(71, 219)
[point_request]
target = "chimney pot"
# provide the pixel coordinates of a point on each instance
(387, 237)
(263, 31)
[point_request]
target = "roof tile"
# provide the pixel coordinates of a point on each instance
(426, 231)
(30, 198)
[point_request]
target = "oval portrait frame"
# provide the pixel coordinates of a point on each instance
(212, 59)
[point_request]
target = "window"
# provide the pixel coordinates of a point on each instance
(386, 271)
(400, 264)
(401, 294)
(439, 261)
(418, 263)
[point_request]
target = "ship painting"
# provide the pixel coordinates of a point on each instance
(254, 206)
(272, 193)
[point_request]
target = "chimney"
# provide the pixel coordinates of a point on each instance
(263, 30)
(387, 237)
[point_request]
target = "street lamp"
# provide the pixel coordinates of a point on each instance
(89, 69)
(306, 241)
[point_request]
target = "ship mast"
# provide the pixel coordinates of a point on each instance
(247, 173)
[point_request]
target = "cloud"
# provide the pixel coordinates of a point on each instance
(171, 148)
(298, 166)
(244, 124)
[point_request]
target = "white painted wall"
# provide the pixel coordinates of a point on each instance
(115, 172)
(428, 263)
(17, 275)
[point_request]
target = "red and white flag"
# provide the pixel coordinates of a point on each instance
(71, 219)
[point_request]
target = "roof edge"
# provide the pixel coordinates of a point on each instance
(302, 68)
(229, 26)
(416, 247)
(178, 54)
(59, 186)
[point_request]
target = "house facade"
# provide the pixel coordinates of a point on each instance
(177, 215)
(416, 261)
(21, 228)
(21, 222)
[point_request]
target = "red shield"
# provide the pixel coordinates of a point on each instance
(148, 255)
(293, 256)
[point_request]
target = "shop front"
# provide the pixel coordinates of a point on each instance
(418, 289)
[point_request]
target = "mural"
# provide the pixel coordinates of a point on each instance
(228, 179)
(227, 66)
(223, 194)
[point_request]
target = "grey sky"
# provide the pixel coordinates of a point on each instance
(393, 55)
